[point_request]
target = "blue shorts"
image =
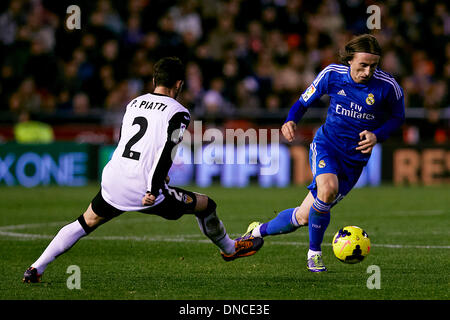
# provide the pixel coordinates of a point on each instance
(323, 158)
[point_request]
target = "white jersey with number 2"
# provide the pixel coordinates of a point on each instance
(144, 133)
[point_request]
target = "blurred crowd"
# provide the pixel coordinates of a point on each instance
(240, 55)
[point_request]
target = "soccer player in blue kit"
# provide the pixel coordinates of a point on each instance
(366, 106)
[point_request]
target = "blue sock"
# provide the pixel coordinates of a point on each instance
(319, 218)
(284, 222)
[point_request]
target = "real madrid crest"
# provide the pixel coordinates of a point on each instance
(370, 100)
(322, 164)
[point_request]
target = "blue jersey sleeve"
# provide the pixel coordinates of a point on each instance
(316, 90)
(396, 119)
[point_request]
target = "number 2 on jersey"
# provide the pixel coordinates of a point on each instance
(128, 153)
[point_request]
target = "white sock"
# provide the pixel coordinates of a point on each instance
(214, 229)
(312, 253)
(63, 241)
(226, 244)
(256, 232)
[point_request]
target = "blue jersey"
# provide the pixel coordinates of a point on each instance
(376, 106)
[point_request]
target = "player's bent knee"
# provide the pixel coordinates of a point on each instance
(327, 197)
(90, 220)
(88, 229)
(201, 202)
(207, 208)
(327, 192)
(327, 187)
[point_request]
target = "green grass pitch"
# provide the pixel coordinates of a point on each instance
(137, 256)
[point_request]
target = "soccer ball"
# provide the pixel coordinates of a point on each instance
(351, 244)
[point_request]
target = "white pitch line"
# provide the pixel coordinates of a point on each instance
(396, 246)
(5, 231)
(436, 212)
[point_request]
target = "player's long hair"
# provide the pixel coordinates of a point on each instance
(363, 43)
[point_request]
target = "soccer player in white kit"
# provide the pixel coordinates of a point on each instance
(135, 179)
